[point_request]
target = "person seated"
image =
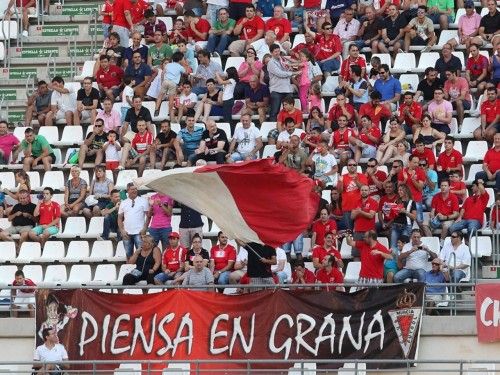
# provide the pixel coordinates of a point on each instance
(431, 186)
(147, 261)
(140, 75)
(62, 103)
(249, 29)
(319, 252)
(109, 79)
(457, 186)
(283, 140)
(468, 25)
(324, 164)
(211, 102)
(375, 110)
(165, 147)
(184, 103)
(456, 257)
(139, 149)
(75, 191)
(92, 147)
(110, 213)
(281, 26)
(414, 256)
(172, 263)
(392, 31)
(437, 275)
(341, 108)
(488, 27)
(491, 164)
(50, 351)
(222, 259)
(365, 140)
(444, 211)
(370, 31)
(199, 274)
(420, 31)
(213, 145)
(388, 87)
(100, 190)
(457, 91)
(87, 102)
(257, 98)
(288, 111)
(189, 137)
(23, 298)
(151, 25)
(427, 86)
(490, 117)
(410, 113)
(220, 35)
(38, 104)
(197, 29)
(330, 48)
(441, 112)
(330, 274)
(346, 28)
(302, 275)
(450, 160)
(48, 213)
(196, 249)
(447, 61)
(441, 12)
(36, 149)
(21, 217)
(246, 142)
(387, 148)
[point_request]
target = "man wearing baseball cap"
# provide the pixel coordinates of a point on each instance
(173, 261)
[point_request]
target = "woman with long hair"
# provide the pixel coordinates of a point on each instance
(387, 149)
(100, 188)
(430, 136)
(406, 210)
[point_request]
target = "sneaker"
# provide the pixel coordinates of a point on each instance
(441, 243)
(99, 238)
(400, 51)
(427, 49)
(215, 54)
(120, 168)
(157, 112)
(25, 33)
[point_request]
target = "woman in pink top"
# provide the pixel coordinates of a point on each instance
(248, 68)
(160, 213)
(303, 78)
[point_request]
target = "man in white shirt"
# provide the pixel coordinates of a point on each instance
(248, 139)
(284, 137)
(325, 165)
(62, 103)
(50, 351)
(132, 219)
(240, 267)
(280, 269)
(347, 29)
(456, 257)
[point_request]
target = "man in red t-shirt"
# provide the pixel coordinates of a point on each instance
(320, 252)
(491, 164)
(376, 178)
(281, 26)
(444, 211)
(197, 28)
(173, 261)
(374, 110)
(349, 186)
(22, 298)
(366, 139)
(410, 112)
(490, 117)
(330, 274)
(339, 142)
(289, 110)
(49, 218)
(309, 44)
(471, 214)
(373, 254)
(137, 9)
(109, 78)
(321, 227)
(329, 47)
(450, 160)
(222, 259)
(340, 108)
(250, 29)
(352, 59)
(414, 177)
(301, 275)
(424, 153)
(363, 216)
(122, 20)
(387, 208)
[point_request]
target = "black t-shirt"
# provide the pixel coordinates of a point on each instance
(118, 52)
(428, 90)
(402, 218)
(190, 255)
(442, 66)
(21, 221)
(490, 23)
(372, 29)
(211, 141)
(393, 27)
(131, 117)
(88, 100)
(255, 267)
(165, 138)
(99, 140)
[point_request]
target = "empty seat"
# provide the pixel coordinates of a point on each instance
(105, 274)
(124, 269)
(132, 291)
(352, 272)
(226, 127)
(473, 169)
(269, 151)
(426, 59)
(78, 251)
(265, 128)
(385, 58)
(87, 70)
(8, 180)
(298, 39)
(484, 248)
(124, 177)
(72, 135)
(80, 274)
(55, 274)
(29, 251)
(74, 227)
(444, 37)
(468, 126)
(95, 227)
(33, 272)
(404, 62)
(34, 180)
(101, 250)
(8, 252)
(460, 55)
(432, 243)
(4, 223)
(8, 30)
(328, 88)
(409, 82)
(52, 251)
(51, 133)
(176, 220)
(53, 179)
(476, 150)
(345, 250)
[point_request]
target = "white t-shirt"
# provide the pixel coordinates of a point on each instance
(284, 136)
(56, 354)
(462, 256)
(112, 153)
(65, 102)
(416, 260)
(246, 139)
(280, 255)
(242, 257)
(262, 48)
(187, 100)
(127, 92)
(134, 217)
(324, 164)
(228, 91)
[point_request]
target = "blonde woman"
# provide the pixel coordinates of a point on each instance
(74, 193)
(387, 149)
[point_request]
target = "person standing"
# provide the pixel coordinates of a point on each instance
(160, 214)
(279, 80)
(260, 259)
(190, 225)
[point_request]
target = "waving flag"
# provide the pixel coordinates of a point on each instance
(255, 201)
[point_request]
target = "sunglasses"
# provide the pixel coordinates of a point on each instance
(97, 126)
(329, 28)
(395, 166)
(454, 236)
(352, 165)
(371, 165)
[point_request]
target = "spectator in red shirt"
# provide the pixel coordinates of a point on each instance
(365, 140)
(309, 44)
(249, 28)
(490, 117)
(321, 251)
(321, 227)
(329, 48)
(376, 178)
(476, 71)
(410, 113)
(363, 216)
(109, 79)
(352, 59)
(449, 160)
(173, 261)
(49, 218)
(122, 20)
(373, 254)
(152, 24)
(197, 29)
(457, 186)
(222, 259)
(349, 186)
(340, 108)
(387, 209)
(339, 142)
(374, 110)
(424, 153)
(471, 214)
(301, 275)
(414, 177)
(139, 149)
(22, 298)
(444, 211)
(281, 26)
(330, 274)
(491, 164)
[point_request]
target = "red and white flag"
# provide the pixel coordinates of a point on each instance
(254, 201)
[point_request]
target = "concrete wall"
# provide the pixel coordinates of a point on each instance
(442, 338)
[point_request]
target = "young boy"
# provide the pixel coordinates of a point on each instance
(171, 76)
(111, 151)
(127, 95)
(186, 100)
(139, 150)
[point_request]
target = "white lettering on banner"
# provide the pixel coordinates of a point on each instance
(495, 313)
(105, 327)
(164, 335)
(287, 345)
(346, 328)
(300, 334)
(188, 323)
(214, 334)
(328, 321)
(370, 335)
(237, 331)
(86, 318)
(139, 332)
(117, 334)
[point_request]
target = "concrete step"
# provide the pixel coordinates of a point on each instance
(21, 74)
(78, 31)
(44, 60)
(27, 54)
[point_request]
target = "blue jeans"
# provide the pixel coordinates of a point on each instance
(133, 239)
(199, 90)
(397, 230)
(470, 225)
(282, 277)
(483, 176)
(456, 276)
(160, 234)
(298, 245)
(223, 278)
(212, 12)
(276, 98)
(331, 65)
(348, 222)
(110, 225)
(405, 273)
(420, 211)
(218, 43)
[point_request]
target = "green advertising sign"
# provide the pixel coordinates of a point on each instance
(39, 52)
(8, 94)
(22, 73)
(78, 10)
(60, 30)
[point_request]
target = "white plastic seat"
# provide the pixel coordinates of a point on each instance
(409, 82)
(124, 269)
(8, 180)
(384, 241)
(345, 171)
(124, 177)
(84, 175)
(352, 369)
(74, 227)
(78, 251)
(404, 62)
(265, 128)
(87, 70)
(33, 272)
(72, 135)
(104, 274)
(51, 133)
(468, 126)
(457, 146)
(491, 198)
(132, 291)
(8, 252)
(175, 221)
(269, 151)
(101, 250)
(484, 248)
(234, 61)
(426, 60)
(328, 88)
(476, 151)
(55, 274)
(473, 169)
(444, 37)
(52, 251)
(432, 243)
(352, 272)
(227, 129)
(59, 198)
(7, 275)
(297, 39)
(2, 51)
(8, 30)
(29, 251)
(95, 227)
(345, 250)
(306, 246)
(385, 58)
(53, 179)
(80, 274)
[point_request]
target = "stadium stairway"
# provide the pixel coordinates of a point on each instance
(59, 45)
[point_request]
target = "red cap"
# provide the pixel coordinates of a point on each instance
(174, 235)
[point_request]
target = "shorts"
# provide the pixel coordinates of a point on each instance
(86, 114)
(61, 114)
(129, 135)
(216, 110)
(170, 87)
(39, 230)
(435, 18)
(31, 10)
(24, 301)
(465, 103)
(163, 277)
(52, 158)
(443, 128)
(390, 265)
(418, 41)
(18, 229)
(112, 165)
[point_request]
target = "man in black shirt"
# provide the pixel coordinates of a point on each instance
(87, 102)
(136, 112)
(260, 260)
(447, 61)
(92, 146)
(165, 146)
(392, 32)
(21, 217)
(427, 86)
(213, 145)
(489, 27)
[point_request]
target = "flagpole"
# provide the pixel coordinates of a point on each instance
(246, 245)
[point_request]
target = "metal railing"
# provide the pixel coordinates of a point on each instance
(93, 20)
(30, 85)
(495, 236)
(51, 64)
(72, 54)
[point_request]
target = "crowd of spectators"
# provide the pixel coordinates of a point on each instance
(180, 69)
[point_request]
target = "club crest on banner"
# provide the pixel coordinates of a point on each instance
(406, 320)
